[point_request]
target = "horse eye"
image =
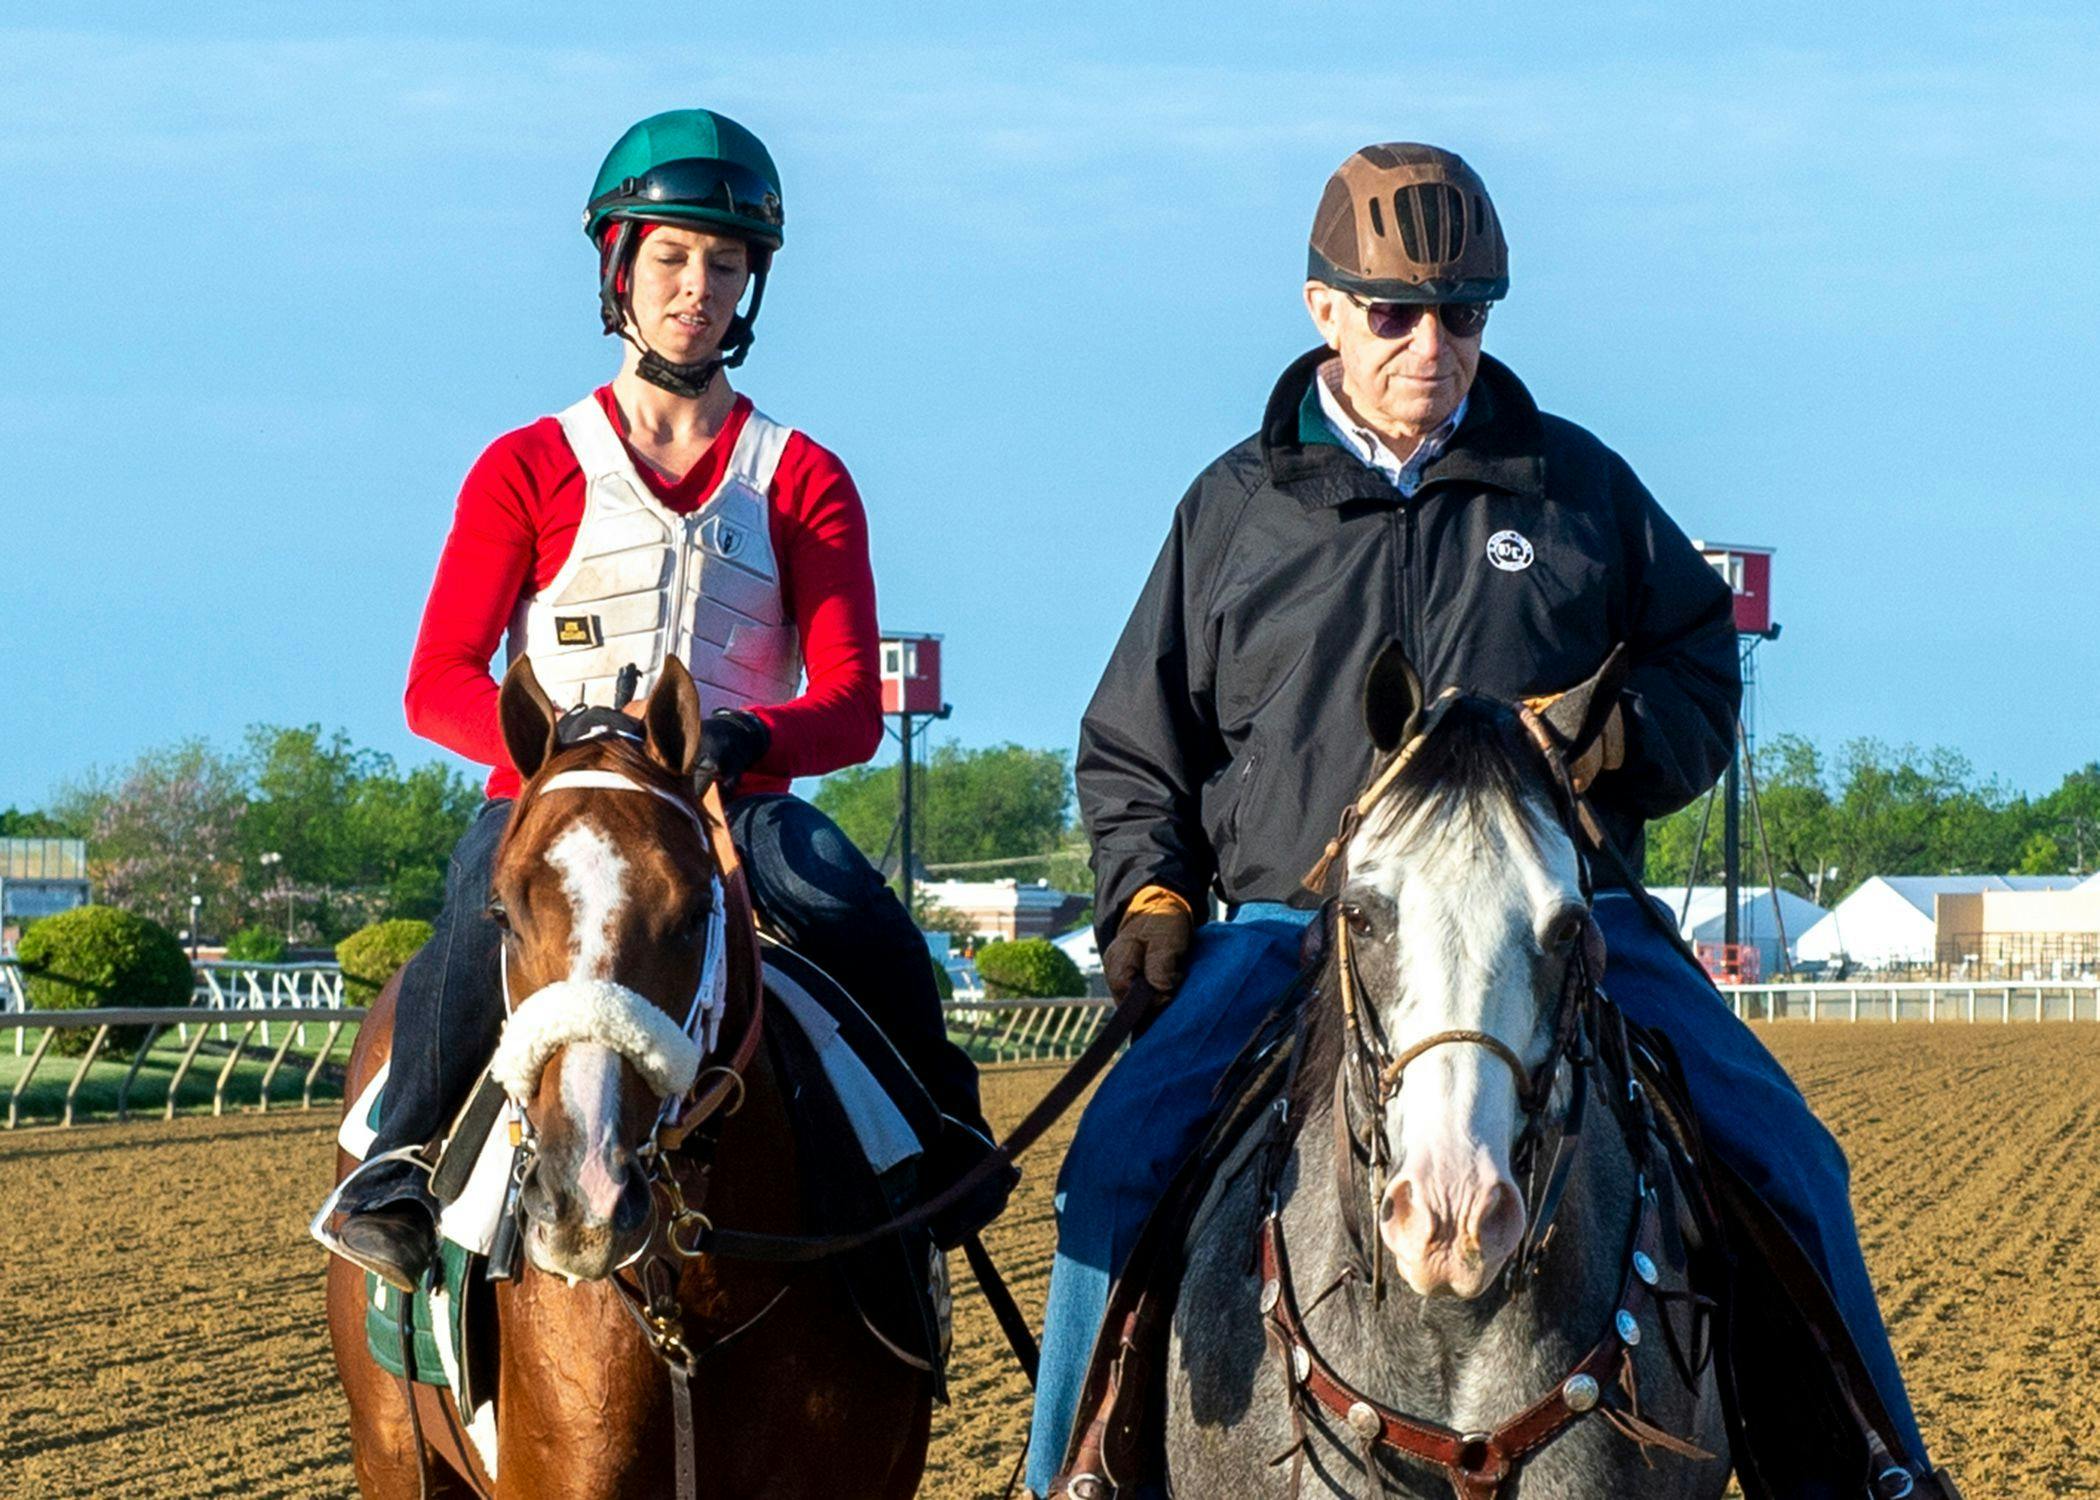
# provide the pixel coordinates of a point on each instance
(1566, 929)
(499, 914)
(1355, 916)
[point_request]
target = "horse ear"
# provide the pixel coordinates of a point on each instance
(1392, 698)
(1577, 716)
(527, 718)
(672, 717)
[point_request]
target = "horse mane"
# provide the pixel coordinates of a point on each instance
(1473, 757)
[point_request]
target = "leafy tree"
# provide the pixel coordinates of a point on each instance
(166, 826)
(17, 824)
(968, 805)
(256, 945)
(2071, 816)
(1876, 810)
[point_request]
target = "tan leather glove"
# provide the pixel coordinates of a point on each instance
(1152, 939)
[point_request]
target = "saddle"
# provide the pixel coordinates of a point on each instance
(1119, 1433)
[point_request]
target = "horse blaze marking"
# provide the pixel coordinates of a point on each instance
(594, 879)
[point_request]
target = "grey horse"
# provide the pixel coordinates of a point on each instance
(1411, 1276)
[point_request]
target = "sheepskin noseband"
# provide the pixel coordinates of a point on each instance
(594, 1010)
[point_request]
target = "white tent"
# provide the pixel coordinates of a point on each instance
(1707, 919)
(1888, 921)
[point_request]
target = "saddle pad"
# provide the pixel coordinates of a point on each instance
(468, 1221)
(440, 1341)
(886, 1138)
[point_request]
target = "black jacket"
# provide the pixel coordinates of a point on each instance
(1227, 732)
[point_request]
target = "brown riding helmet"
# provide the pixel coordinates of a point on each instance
(1407, 223)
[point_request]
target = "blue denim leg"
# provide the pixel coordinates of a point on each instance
(1149, 1113)
(1756, 1123)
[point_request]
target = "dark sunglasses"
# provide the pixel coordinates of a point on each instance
(1396, 320)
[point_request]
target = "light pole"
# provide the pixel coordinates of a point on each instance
(196, 913)
(277, 859)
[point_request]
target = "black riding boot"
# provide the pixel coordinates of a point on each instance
(448, 1016)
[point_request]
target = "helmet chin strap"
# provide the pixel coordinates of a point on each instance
(688, 380)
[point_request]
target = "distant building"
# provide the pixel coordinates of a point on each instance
(1706, 920)
(39, 878)
(1889, 922)
(2046, 934)
(1005, 909)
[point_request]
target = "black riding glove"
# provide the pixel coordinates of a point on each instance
(731, 742)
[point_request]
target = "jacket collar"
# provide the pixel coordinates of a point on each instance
(1500, 444)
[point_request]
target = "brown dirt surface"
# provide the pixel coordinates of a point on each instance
(161, 1304)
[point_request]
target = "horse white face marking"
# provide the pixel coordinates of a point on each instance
(594, 878)
(590, 1094)
(1471, 888)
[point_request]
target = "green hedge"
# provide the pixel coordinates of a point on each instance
(97, 956)
(1031, 969)
(942, 983)
(370, 955)
(256, 945)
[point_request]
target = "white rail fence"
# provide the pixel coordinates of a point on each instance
(2002, 1002)
(221, 986)
(237, 1031)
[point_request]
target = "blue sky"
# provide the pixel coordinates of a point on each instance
(1826, 275)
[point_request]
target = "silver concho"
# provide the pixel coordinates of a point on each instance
(1364, 1422)
(1301, 1363)
(1629, 1328)
(1270, 1291)
(1643, 1267)
(1579, 1392)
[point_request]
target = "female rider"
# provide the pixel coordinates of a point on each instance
(661, 515)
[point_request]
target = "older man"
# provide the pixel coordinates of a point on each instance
(1405, 486)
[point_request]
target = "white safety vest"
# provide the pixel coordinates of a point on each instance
(642, 582)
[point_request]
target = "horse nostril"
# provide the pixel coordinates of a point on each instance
(1397, 1202)
(633, 1207)
(537, 1202)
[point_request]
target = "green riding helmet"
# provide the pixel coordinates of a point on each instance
(685, 166)
(689, 166)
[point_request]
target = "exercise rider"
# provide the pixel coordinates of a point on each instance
(1404, 486)
(662, 515)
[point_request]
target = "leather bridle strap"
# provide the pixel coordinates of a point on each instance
(718, 1083)
(1389, 1076)
(1477, 1465)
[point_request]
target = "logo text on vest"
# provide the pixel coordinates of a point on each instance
(578, 630)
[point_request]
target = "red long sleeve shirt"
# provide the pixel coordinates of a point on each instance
(514, 525)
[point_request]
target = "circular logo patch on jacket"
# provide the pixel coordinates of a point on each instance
(1509, 551)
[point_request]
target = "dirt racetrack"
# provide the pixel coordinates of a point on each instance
(161, 1335)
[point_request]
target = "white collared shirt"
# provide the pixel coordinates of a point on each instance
(1404, 474)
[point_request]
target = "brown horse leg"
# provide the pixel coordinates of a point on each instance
(382, 1443)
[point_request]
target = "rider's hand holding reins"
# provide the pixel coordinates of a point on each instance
(1153, 939)
(731, 742)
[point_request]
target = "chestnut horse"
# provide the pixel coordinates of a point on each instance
(605, 883)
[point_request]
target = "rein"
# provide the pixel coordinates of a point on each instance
(1481, 1465)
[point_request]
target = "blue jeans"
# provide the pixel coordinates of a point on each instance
(1148, 1115)
(1153, 1108)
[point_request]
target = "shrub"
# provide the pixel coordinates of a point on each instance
(256, 945)
(1031, 969)
(97, 956)
(370, 955)
(943, 984)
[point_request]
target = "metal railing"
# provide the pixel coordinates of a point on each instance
(52, 1022)
(1025, 1030)
(2000, 1001)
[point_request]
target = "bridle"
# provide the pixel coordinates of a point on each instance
(688, 1122)
(1481, 1465)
